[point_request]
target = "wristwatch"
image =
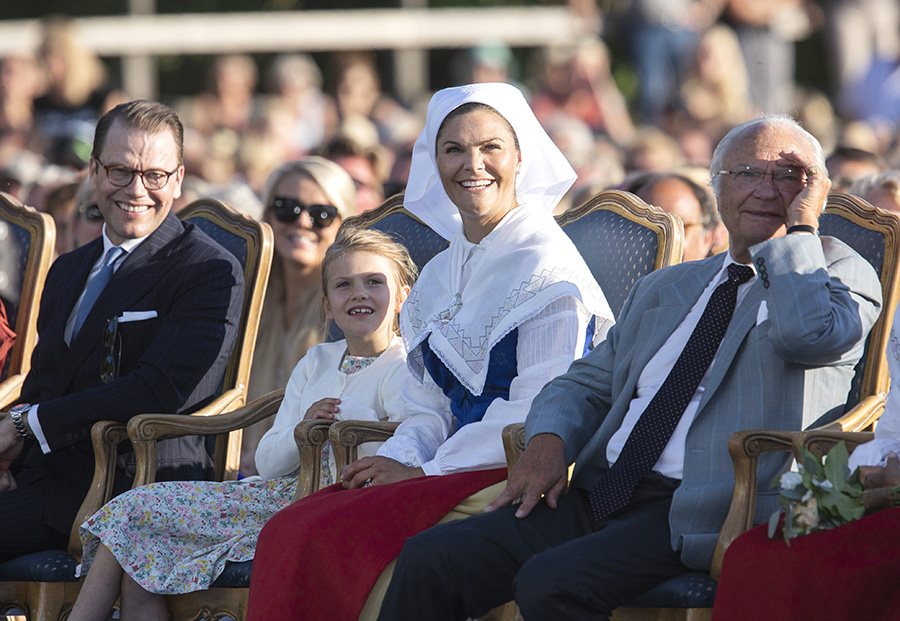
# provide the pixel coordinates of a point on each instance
(15, 413)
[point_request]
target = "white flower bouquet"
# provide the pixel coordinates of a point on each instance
(824, 494)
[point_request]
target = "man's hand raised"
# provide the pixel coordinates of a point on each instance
(541, 471)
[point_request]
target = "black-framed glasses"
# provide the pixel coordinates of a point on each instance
(112, 340)
(122, 176)
(787, 179)
(91, 213)
(288, 210)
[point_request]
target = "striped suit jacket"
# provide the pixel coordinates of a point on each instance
(784, 369)
(173, 362)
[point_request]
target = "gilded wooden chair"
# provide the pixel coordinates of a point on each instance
(27, 238)
(873, 233)
(43, 584)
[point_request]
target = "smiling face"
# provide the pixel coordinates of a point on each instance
(363, 296)
(755, 212)
(477, 160)
(134, 211)
(300, 243)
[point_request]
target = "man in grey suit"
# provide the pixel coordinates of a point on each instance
(143, 319)
(653, 478)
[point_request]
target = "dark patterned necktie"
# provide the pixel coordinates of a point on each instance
(655, 426)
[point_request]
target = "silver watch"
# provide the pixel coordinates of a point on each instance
(15, 413)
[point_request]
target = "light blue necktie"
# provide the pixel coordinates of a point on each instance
(96, 285)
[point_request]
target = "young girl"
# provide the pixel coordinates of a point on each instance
(176, 537)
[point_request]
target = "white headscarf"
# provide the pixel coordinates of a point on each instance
(544, 176)
(527, 261)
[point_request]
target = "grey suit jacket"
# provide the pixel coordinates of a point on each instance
(785, 371)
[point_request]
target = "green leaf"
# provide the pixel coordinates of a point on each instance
(836, 468)
(795, 493)
(812, 463)
(838, 504)
(773, 523)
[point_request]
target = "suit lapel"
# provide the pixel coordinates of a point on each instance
(140, 271)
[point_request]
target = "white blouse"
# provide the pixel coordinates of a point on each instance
(370, 394)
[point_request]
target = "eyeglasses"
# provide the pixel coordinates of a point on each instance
(787, 179)
(91, 213)
(112, 340)
(288, 210)
(122, 176)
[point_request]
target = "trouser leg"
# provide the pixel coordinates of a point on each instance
(588, 577)
(22, 527)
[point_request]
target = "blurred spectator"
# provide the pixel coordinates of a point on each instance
(296, 81)
(653, 150)
(846, 165)
(77, 94)
(20, 172)
(228, 103)
(368, 166)
(88, 221)
(881, 190)
(60, 204)
(662, 38)
(686, 199)
(716, 94)
(859, 33)
(19, 85)
(577, 80)
(767, 30)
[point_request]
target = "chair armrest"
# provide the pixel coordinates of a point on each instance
(820, 441)
(10, 389)
(860, 418)
(310, 436)
(745, 448)
(106, 435)
(347, 435)
(228, 401)
(146, 429)
(513, 443)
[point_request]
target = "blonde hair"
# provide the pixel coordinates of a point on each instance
(86, 72)
(353, 239)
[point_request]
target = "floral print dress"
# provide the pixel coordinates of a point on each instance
(175, 537)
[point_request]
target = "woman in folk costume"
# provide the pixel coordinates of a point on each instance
(507, 307)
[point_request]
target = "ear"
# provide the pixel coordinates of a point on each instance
(402, 294)
(178, 179)
(327, 308)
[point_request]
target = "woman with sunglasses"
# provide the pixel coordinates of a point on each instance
(506, 308)
(305, 201)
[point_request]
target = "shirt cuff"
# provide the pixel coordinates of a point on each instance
(35, 424)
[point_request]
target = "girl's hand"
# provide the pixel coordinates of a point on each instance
(323, 408)
(377, 471)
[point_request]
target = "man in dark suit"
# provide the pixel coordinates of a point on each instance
(141, 320)
(765, 336)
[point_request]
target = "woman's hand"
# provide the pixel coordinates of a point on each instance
(377, 471)
(323, 408)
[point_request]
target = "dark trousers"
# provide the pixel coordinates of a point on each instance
(553, 563)
(22, 527)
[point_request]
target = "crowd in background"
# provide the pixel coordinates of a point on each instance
(702, 66)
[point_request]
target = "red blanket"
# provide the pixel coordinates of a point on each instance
(852, 572)
(320, 557)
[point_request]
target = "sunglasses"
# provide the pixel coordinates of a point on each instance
(112, 340)
(288, 210)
